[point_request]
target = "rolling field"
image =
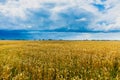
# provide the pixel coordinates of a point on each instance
(59, 60)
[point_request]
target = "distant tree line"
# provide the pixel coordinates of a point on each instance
(58, 39)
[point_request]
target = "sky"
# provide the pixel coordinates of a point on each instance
(60, 19)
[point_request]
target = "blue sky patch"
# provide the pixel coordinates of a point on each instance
(100, 7)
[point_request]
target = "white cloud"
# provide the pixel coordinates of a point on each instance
(81, 36)
(111, 16)
(13, 8)
(20, 9)
(94, 36)
(81, 19)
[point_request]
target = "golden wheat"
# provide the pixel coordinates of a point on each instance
(59, 60)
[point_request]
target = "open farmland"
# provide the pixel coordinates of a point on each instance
(59, 60)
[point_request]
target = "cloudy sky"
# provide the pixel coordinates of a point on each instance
(62, 19)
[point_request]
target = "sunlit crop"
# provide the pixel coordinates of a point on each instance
(59, 60)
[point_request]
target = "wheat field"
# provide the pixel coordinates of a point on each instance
(59, 60)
